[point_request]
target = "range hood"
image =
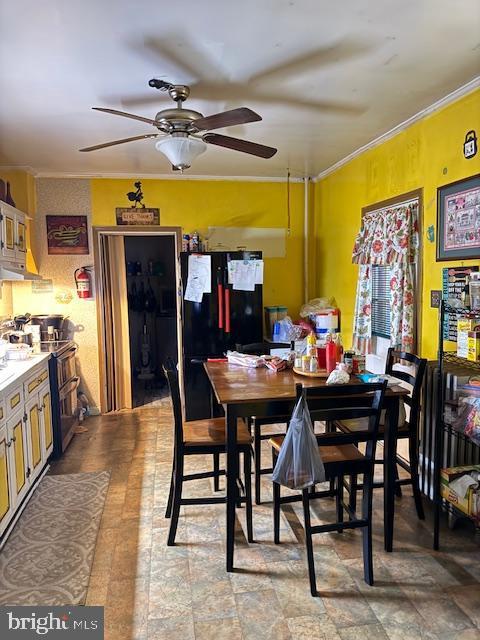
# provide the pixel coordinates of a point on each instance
(11, 273)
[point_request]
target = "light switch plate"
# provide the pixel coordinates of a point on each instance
(435, 298)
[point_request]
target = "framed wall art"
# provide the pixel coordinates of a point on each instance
(458, 220)
(67, 235)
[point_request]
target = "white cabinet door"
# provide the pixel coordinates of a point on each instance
(18, 457)
(8, 232)
(46, 421)
(34, 436)
(13, 235)
(20, 238)
(6, 495)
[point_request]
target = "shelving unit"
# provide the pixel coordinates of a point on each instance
(452, 447)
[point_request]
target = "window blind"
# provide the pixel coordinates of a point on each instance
(381, 301)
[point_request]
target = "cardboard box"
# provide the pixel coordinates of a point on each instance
(470, 505)
(464, 325)
(473, 346)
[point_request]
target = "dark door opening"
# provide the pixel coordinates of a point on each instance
(152, 314)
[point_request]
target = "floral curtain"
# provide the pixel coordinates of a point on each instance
(388, 237)
(362, 323)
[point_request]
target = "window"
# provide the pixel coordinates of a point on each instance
(381, 301)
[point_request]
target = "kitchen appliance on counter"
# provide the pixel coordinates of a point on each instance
(21, 321)
(20, 337)
(14, 330)
(224, 318)
(64, 383)
(52, 327)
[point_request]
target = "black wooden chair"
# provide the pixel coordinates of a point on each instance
(341, 457)
(256, 424)
(410, 429)
(202, 437)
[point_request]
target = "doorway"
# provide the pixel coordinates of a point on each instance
(152, 314)
(139, 313)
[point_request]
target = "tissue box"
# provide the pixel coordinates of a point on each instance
(470, 505)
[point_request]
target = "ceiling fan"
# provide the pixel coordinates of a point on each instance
(181, 130)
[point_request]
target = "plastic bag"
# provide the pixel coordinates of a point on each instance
(245, 359)
(317, 305)
(299, 464)
(468, 418)
(287, 331)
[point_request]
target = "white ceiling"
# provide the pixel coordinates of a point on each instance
(327, 77)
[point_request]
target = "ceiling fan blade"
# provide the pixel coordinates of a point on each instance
(226, 119)
(126, 115)
(238, 92)
(339, 52)
(114, 142)
(245, 146)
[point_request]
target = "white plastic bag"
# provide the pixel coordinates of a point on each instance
(299, 464)
(317, 305)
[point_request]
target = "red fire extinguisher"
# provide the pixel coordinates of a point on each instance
(83, 282)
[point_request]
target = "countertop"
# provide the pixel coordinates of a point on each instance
(17, 368)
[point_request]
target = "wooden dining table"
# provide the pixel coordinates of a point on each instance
(245, 392)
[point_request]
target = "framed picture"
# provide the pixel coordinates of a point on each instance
(458, 220)
(67, 235)
(142, 215)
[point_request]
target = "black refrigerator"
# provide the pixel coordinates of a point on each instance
(222, 320)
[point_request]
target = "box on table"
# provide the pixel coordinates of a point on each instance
(473, 346)
(470, 505)
(464, 325)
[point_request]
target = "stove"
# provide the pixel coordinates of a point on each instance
(55, 347)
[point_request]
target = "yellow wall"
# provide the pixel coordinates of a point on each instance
(22, 188)
(199, 204)
(427, 155)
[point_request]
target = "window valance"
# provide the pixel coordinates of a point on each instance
(388, 236)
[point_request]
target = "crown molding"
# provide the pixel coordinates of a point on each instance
(162, 176)
(436, 106)
(25, 168)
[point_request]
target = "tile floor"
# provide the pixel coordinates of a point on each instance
(152, 592)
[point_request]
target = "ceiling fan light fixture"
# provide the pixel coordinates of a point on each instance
(181, 150)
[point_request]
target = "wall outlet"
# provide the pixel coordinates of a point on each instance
(435, 298)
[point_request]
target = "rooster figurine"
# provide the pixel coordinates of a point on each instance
(136, 196)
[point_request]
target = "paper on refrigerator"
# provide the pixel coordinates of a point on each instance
(199, 277)
(240, 276)
(258, 271)
(245, 274)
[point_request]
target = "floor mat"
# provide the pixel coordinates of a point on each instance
(48, 556)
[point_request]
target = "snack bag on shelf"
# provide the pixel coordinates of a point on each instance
(468, 418)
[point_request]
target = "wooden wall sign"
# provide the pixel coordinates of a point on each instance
(67, 235)
(141, 216)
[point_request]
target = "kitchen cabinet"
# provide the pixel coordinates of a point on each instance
(39, 416)
(18, 454)
(6, 502)
(47, 424)
(26, 437)
(13, 235)
(32, 418)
